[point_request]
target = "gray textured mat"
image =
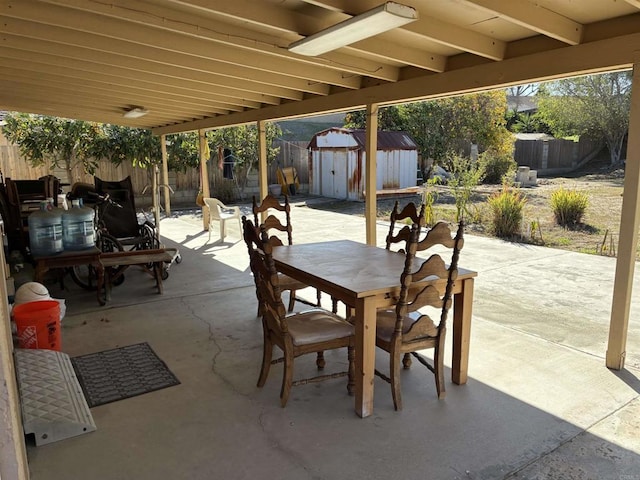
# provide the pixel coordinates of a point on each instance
(121, 373)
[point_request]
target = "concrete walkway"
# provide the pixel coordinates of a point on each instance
(540, 403)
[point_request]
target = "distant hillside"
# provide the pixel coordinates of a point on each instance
(302, 129)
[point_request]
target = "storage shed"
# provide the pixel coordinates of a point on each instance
(337, 162)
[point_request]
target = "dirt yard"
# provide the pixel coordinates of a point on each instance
(598, 233)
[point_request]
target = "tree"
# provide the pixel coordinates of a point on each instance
(61, 142)
(442, 127)
(389, 119)
(596, 106)
(131, 145)
(65, 143)
(243, 143)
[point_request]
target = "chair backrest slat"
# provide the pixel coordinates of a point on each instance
(414, 296)
(265, 275)
(409, 213)
(273, 222)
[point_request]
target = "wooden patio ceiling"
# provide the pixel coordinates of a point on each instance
(200, 64)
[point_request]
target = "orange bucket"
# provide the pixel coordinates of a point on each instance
(38, 324)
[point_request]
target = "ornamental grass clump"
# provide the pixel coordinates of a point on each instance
(568, 206)
(507, 207)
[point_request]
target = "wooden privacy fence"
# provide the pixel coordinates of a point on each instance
(14, 166)
(185, 184)
(556, 155)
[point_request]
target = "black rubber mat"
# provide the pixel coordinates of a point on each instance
(121, 373)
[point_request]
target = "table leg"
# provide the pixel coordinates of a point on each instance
(100, 271)
(462, 309)
(41, 269)
(365, 354)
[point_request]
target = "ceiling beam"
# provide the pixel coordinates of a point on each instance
(76, 75)
(297, 25)
(55, 86)
(63, 97)
(147, 15)
(53, 108)
(598, 56)
(428, 28)
(534, 17)
(224, 85)
(98, 45)
(122, 76)
(79, 21)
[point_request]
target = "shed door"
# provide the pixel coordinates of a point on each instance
(334, 174)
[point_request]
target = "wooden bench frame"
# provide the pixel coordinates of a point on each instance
(151, 261)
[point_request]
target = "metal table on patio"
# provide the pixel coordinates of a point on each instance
(367, 278)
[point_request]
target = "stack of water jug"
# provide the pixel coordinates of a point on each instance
(54, 230)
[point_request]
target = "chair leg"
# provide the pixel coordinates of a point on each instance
(319, 298)
(292, 300)
(395, 380)
(287, 378)
(267, 353)
(210, 228)
(223, 230)
(438, 366)
(406, 361)
(351, 383)
(334, 305)
(320, 363)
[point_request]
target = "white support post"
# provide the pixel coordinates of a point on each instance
(204, 175)
(628, 239)
(262, 162)
(165, 175)
(370, 203)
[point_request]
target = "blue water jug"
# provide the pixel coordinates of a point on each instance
(77, 227)
(45, 230)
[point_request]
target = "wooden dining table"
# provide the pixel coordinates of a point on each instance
(366, 278)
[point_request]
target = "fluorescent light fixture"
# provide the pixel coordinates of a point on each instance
(135, 112)
(383, 18)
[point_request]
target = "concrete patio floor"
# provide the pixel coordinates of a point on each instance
(539, 404)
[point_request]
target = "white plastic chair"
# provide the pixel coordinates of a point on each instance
(219, 212)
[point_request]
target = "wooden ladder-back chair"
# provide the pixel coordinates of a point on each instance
(401, 331)
(409, 212)
(296, 334)
(274, 223)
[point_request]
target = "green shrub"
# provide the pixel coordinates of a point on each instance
(568, 206)
(497, 166)
(225, 191)
(465, 174)
(506, 207)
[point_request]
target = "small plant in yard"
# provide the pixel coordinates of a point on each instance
(507, 207)
(429, 197)
(465, 175)
(568, 206)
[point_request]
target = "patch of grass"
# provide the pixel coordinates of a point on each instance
(560, 241)
(602, 214)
